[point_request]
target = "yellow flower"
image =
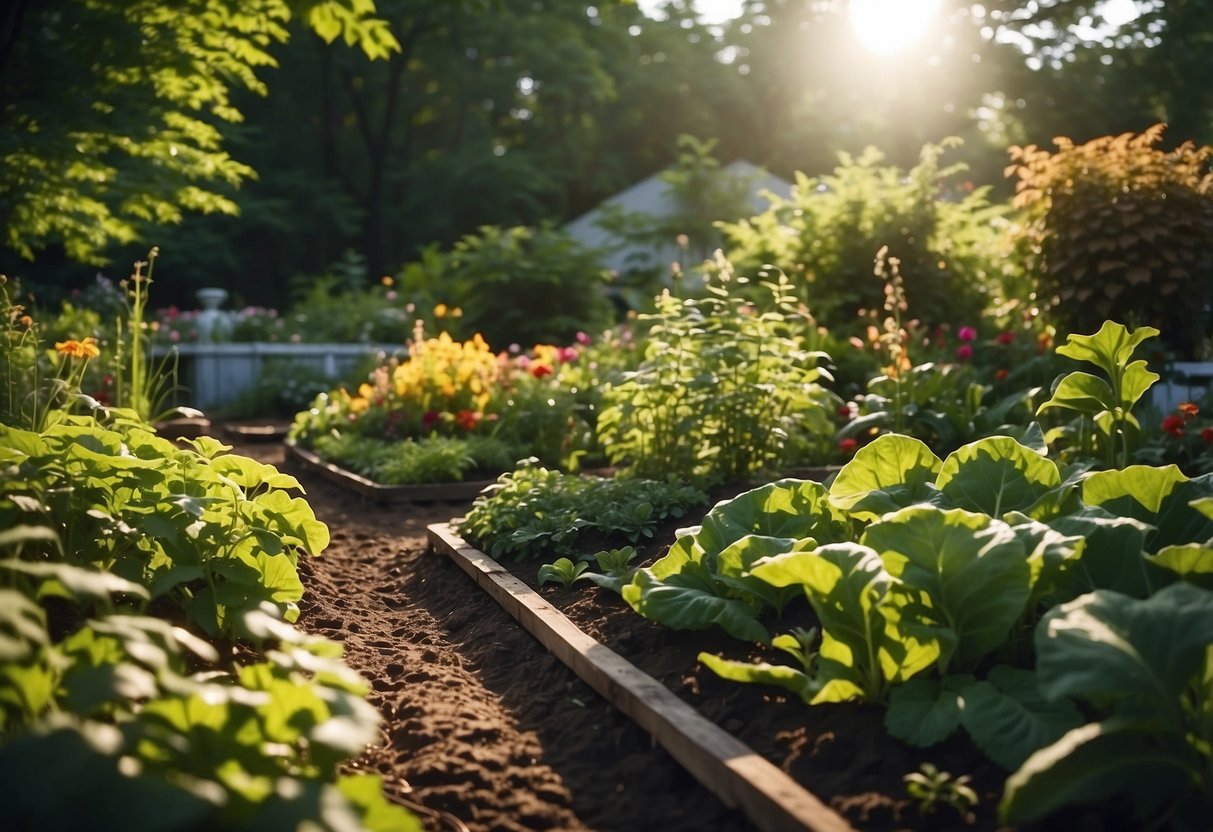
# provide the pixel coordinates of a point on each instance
(386, 280)
(79, 349)
(440, 310)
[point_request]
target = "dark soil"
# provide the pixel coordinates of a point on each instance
(483, 727)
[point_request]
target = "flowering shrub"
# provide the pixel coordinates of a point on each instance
(459, 390)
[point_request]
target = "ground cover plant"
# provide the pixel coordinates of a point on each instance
(152, 678)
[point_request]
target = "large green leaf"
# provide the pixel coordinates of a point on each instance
(1009, 718)
(1082, 392)
(1191, 562)
(965, 577)
(1112, 557)
(1108, 648)
(1161, 497)
(762, 673)
(862, 646)
(1051, 555)
(1110, 348)
(891, 472)
(1093, 762)
(924, 712)
(690, 600)
(996, 475)
(733, 566)
(788, 508)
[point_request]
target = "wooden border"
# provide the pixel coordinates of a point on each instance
(772, 800)
(450, 491)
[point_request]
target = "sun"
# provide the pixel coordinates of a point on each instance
(886, 27)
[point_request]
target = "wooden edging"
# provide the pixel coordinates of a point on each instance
(727, 767)
(385, 493)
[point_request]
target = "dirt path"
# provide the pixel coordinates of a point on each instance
(481, 725)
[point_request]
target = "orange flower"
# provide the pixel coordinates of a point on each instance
(1189, 410)
(79, 349)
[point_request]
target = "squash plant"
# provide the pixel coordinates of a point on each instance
(215, 533)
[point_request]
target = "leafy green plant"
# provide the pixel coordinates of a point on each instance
(721, 387)
(1107, 428)
(1144, 667)
(432, 459)
(562, 571)
(534, 510)
(932, 788)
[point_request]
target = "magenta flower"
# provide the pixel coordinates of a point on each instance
(964, 352)
(966, 333)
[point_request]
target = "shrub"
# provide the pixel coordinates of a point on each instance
(828, 232)
(1117, 228)
(553, 285)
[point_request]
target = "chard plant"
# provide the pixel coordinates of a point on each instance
(721, 387)
(1106, 428)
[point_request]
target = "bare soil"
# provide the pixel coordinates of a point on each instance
(485, 730)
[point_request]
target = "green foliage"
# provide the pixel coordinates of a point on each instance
(831, 228)
(109, 124)
(562, 571)
(535, 510)
(217, 534)
(1107, 425)
(933, 789)
(431, 459)
(558, 285)
(721, 388)
(1117, 228)
(1144, 667)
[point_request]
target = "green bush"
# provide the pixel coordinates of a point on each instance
(515, 285)
(827, 233)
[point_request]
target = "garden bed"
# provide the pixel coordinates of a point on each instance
(383, 493)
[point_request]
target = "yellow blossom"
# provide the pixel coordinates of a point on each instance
(79, 349)
(440, 311)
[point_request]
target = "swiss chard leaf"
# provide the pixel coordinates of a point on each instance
(924, 712)
(862, 648)
(762, 673)
(1112, 557)
(1009, 718)
(891, 472)
(996, 475)
(965, 577)
(690, 600)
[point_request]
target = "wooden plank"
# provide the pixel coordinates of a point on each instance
(449, 491)
(722, 763)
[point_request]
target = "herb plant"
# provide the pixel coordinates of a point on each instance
(534, 511)
(721, 386)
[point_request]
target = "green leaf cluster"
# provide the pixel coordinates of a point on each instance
(723, 385)
(114, 545)
(534, 510)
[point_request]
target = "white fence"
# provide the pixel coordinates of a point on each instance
(213, 375)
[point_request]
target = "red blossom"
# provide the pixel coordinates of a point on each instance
(467, 419)
(1174, 425)
(848, 445)
(964, 352)
(1207, 435)
(430, 418)
(540, 370)
(1000, 374)
(1005, 338)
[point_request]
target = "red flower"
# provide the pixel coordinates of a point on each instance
(1207, 435)
(1174, 425)
(964, 352)
(467, 419)
(848, 445)
(430, 418)
(1005, 338)
(1000, 374)
(540, 370)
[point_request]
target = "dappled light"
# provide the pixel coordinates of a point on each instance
(888, 27)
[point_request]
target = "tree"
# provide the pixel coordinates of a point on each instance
(111, 110)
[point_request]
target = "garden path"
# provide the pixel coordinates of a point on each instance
(482, 727)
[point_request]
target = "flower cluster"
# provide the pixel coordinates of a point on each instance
(1184, 439)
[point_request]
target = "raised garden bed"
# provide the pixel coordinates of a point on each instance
(384, 493)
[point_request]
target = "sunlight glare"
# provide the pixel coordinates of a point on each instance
(886, 27)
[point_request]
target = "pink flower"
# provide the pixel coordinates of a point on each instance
(964, 352)
(568, 354)
(583, 339)
(966, 333)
